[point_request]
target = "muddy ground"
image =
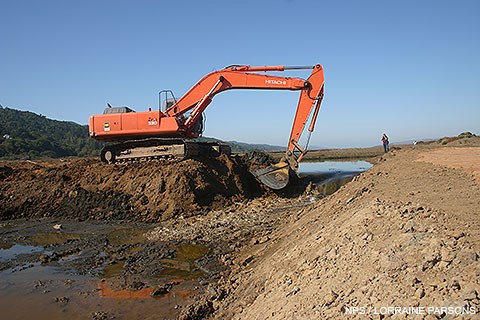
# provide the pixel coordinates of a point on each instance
(83, 244)
(143, 191)
(175, 262)
(404, 233)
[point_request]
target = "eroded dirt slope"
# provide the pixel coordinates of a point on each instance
(405, 233)
(146, 191)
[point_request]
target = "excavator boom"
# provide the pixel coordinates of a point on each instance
(183, 118)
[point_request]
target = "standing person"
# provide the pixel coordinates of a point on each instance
(385, 143)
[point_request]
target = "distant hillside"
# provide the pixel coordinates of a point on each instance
(242, 146)
(25, 135)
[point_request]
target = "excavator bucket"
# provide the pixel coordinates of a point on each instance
(275, 176)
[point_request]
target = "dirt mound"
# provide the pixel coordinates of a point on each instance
(463, 139)
(146, 191)
(403, 234)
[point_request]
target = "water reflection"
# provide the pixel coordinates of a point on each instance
(329, 176)
(333, 166)
(17, 249)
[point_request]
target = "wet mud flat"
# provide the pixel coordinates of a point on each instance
(123, 270)
(96, 270)
(72, 256)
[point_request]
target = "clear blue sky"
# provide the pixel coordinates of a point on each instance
(408, 68)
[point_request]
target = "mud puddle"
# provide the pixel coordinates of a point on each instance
(329, 176)
(11, 251)
(183, 265)
(100, 271)
(46, 293)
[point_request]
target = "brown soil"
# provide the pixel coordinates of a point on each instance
(405, 233)
(150, 191)
(129, 270)
(467, 159)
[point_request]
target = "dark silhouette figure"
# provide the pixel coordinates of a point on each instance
(385, 142)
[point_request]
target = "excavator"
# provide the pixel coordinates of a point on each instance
(169, 132)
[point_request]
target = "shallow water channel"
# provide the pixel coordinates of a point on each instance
(329, 176)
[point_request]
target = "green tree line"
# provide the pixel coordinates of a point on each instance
(26, 135)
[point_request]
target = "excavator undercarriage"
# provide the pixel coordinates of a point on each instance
(162, 149)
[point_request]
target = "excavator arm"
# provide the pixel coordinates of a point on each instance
(200, 96)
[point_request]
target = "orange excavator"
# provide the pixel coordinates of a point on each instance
(167, 133)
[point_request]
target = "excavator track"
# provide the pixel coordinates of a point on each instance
(161, 149)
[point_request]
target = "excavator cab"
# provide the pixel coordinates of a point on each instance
(168, 103)
(166, 99)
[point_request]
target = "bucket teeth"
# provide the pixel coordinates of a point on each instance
(275, 176)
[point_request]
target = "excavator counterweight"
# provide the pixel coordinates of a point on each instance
(167, 133)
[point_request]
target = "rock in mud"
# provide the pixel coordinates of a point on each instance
(47, 258)
(162, 290)
(62, 300)
(100, 315)
(197, 311)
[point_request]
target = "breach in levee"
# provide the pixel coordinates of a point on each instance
(168, 133)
